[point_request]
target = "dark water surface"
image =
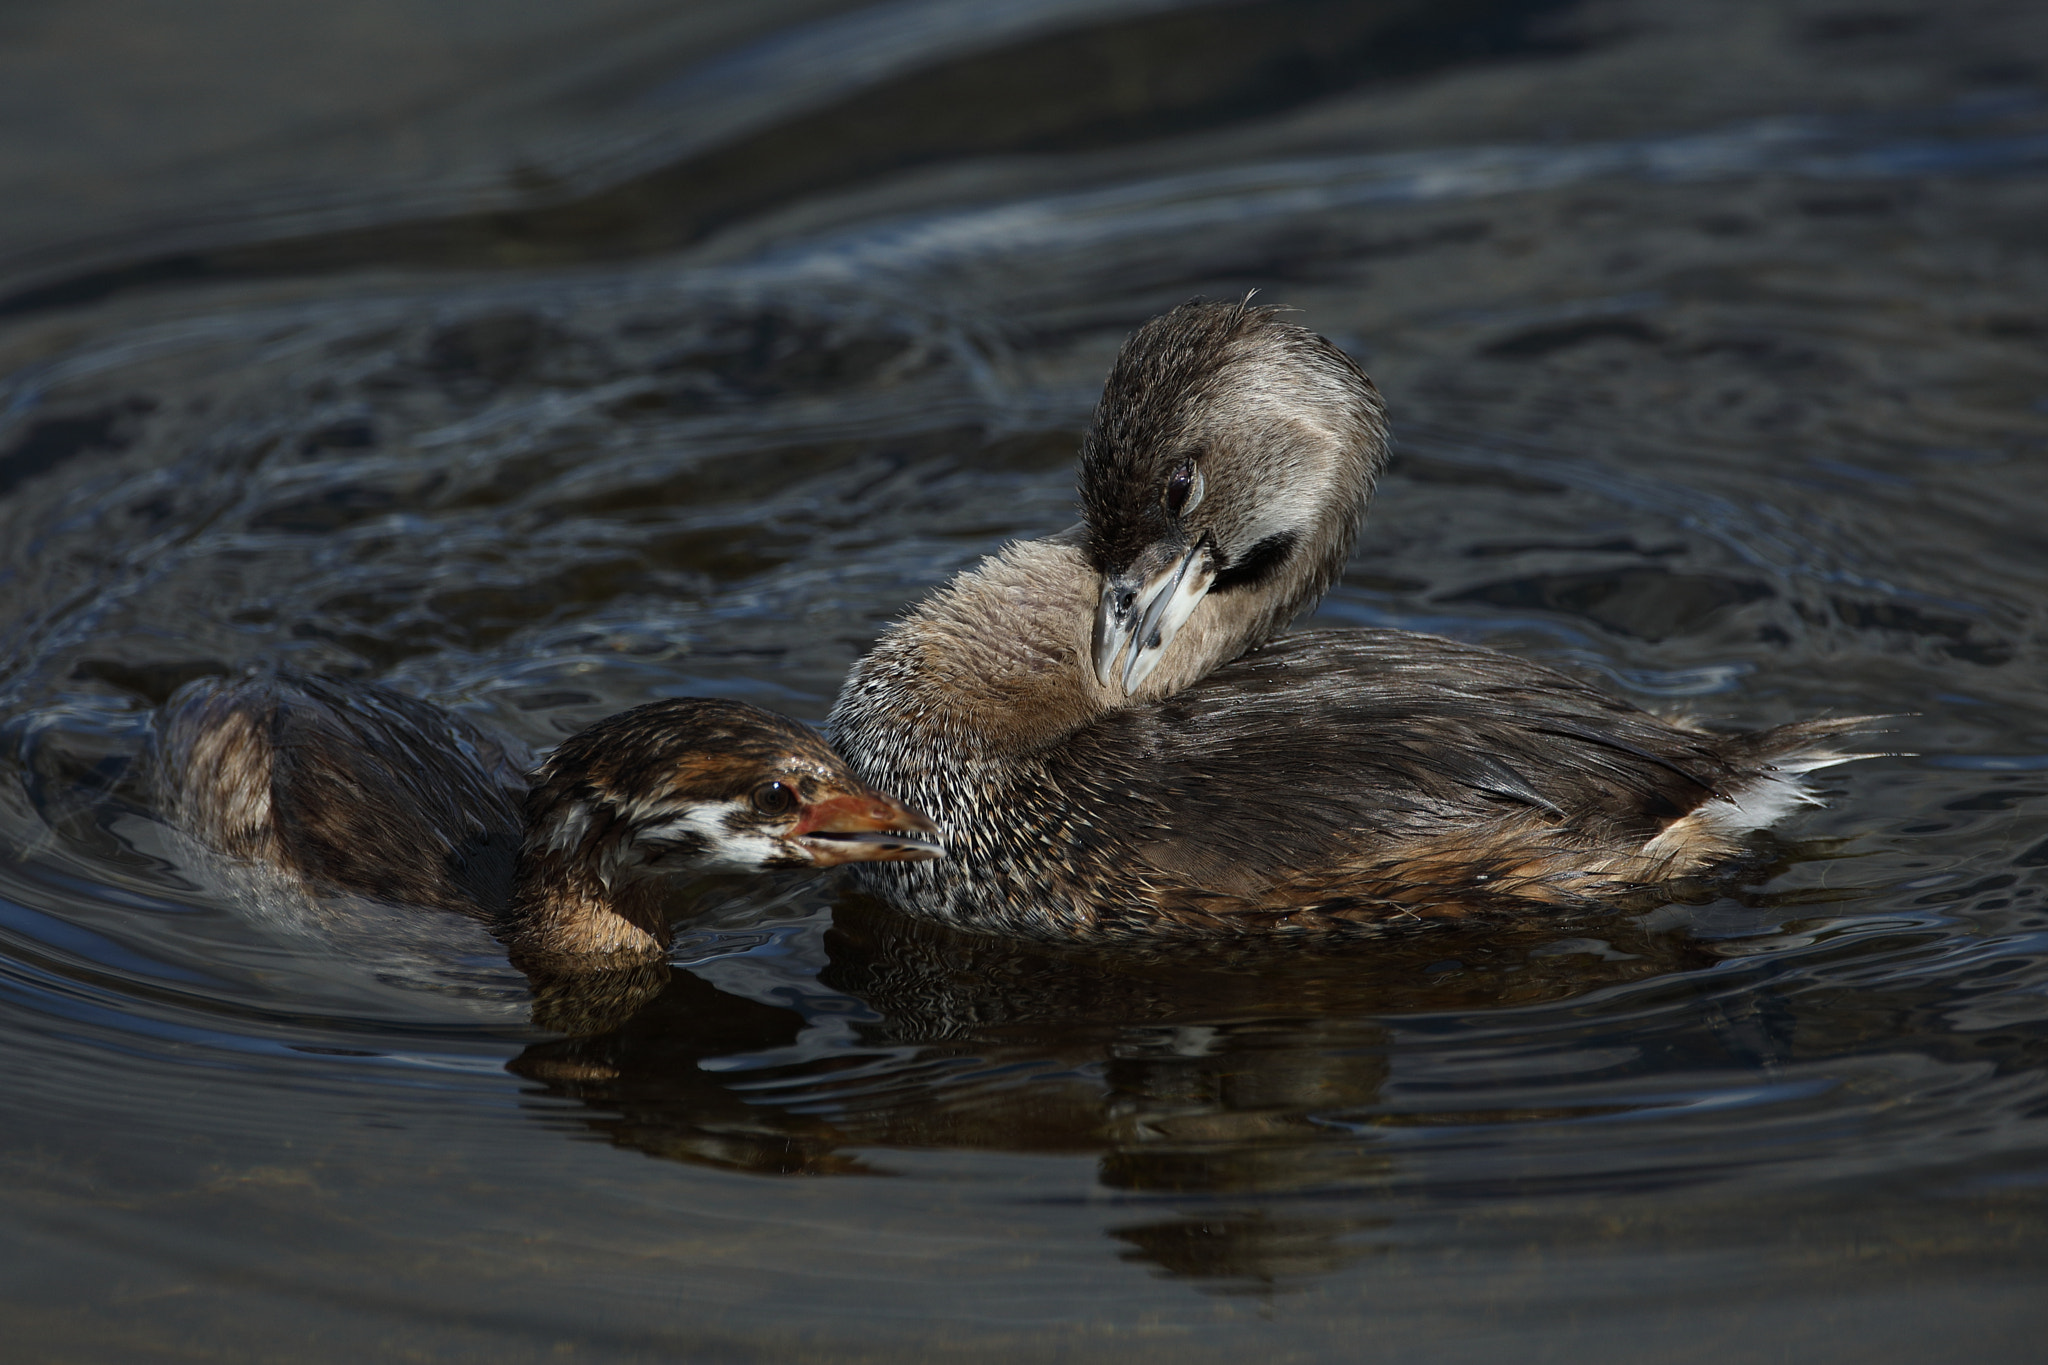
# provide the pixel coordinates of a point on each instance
(543, 360)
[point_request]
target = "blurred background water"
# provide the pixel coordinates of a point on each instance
(543, 359)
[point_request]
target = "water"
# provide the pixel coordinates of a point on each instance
(652, 354)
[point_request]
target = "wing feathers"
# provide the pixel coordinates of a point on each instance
(1386, 762)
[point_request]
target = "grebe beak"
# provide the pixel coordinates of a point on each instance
(864, 828)
(1145, 606)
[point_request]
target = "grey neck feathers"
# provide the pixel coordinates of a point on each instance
(996, 664)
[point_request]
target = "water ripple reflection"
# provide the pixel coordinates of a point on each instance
(1727, 391)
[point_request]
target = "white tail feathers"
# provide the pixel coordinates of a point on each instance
(1763, 800)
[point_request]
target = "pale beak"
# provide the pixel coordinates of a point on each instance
(864, 828)
(1145, 606)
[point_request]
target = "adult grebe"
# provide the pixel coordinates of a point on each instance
(356, 788)
(1113, 746)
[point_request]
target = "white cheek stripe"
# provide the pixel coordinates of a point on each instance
(726, 851)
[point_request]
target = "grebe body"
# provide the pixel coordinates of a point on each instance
(350, 787)
(1114, 745)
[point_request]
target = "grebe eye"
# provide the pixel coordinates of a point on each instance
(774, 798)
(1183, 487)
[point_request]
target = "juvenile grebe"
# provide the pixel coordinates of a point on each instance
(1113, 746)
(355, 788)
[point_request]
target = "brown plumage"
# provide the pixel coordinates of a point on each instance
(350, 787)
(1113, 745)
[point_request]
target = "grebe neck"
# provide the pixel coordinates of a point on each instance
(998, 664)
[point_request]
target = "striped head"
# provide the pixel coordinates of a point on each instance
(701, 786)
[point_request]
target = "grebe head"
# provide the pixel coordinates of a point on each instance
(711, 786)
(1226, 472)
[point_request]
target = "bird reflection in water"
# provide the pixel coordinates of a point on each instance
(1206, 1074)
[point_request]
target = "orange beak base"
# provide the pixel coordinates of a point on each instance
(864, 828)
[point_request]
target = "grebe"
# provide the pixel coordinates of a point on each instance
(355, 788)
(1114, 746)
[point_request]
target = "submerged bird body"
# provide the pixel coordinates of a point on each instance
(345, 785)
(1113, 745)
(327, 786)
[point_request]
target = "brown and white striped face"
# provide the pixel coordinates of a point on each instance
(711, 786)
